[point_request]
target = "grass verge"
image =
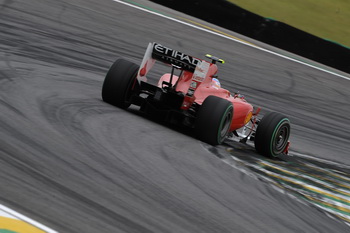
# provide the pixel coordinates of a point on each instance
(327, 19)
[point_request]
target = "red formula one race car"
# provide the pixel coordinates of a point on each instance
(194, 98)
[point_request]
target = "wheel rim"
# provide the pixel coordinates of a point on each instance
(281, 138)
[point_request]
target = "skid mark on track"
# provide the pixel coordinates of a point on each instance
(320, 183)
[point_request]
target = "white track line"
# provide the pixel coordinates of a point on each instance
(26, 219)
(229, 38)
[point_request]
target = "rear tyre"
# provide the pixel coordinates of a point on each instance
(272, 134)
(119, 83)
(214, 120)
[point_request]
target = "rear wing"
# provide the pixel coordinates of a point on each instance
(157, 52)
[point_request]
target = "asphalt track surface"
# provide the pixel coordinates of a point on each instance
(77, 164)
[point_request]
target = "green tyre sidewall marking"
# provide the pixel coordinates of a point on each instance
(222, 121)
(274, 134)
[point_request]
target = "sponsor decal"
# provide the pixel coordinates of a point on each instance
(192, 88)
(193, 85)
(201, 71)
(190, 92)
(175, 57)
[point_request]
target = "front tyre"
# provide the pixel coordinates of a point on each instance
(214, 120)
(272, 134)
(120, 83)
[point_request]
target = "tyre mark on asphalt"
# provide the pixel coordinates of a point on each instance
(6, 4)
(322, 184)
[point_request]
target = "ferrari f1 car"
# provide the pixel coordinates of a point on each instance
(194, 98)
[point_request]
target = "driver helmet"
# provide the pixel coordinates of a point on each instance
(216, 83)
